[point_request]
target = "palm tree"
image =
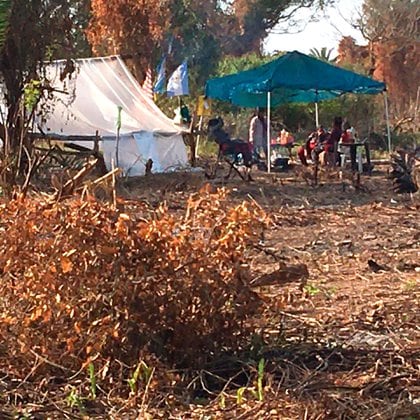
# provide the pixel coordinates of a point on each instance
(323, 54)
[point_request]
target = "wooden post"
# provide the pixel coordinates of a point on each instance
(316, 167)
(388, 128)
(200, 127)
(96, 144)
(368, 162)
(353, 157)
(114, 190)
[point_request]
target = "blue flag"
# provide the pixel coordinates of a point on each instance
(159, 86)
(178, 82)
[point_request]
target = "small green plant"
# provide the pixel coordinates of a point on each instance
(240, 395)
(74, 400)
(260, 392)
(132, 382)
(92, 379)
(311, 290)
(142, 372)
(222, 401)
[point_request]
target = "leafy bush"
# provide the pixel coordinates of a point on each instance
(83, 282)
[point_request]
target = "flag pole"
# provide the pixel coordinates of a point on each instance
(268, 132)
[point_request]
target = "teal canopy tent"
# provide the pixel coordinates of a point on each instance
(293, 77)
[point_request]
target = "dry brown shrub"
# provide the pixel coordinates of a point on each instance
(81, 282)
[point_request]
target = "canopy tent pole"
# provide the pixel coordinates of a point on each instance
(268, 132)
(316, 109)
(388, 128)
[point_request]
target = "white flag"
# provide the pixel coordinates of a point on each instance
(178, 82)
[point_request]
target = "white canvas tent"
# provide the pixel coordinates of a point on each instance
(87, 102)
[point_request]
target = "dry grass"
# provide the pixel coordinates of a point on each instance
(341, 343)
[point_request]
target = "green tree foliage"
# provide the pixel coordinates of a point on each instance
(4, 18)
(192, 38)
(37, 31)
(80, 14)
(323, 54)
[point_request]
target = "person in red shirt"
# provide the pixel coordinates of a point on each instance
(335, 135)
(313, 146)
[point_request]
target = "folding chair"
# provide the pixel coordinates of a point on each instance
(235, 153)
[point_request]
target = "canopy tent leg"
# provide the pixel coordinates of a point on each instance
(268, 132)
(316, 115)
(388, 128)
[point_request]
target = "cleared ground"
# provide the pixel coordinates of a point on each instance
(338, 274)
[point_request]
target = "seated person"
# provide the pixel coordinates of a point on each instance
(226, 144)
(314, 145)
(285, 138)
(305, 150)
(349, 134)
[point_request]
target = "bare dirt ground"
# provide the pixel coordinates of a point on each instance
(341, 339)
(344, 341)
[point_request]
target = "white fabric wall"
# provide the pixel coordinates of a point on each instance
(90, 103)
(167, 152)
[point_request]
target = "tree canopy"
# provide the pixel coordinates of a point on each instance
(201, 31)
(393, 51)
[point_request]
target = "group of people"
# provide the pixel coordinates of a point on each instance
(253, 149)
(258, 135)
(325, 147)
(321, 145)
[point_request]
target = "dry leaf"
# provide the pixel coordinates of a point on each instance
(66, 265)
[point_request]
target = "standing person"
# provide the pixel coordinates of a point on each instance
(258, 133)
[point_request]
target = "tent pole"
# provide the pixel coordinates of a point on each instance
(388, 128)
(268, 132)
(316, 115)
(117, 146)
